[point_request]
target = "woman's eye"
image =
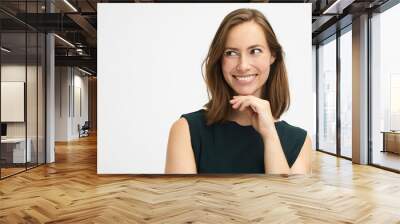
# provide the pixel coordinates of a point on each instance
(231, 53)
(255, 51)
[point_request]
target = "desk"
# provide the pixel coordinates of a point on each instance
(391, 141)
(15, 148)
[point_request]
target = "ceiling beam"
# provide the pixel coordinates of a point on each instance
(86, 26)
(85, 61)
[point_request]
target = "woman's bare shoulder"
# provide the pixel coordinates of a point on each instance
(180, 125)
(180, 158)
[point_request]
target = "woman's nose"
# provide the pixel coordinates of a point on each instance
(243, 65)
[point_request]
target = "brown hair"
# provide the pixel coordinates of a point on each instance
(276, 88)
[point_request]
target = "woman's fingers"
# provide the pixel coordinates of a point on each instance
(244, 104)
(235, 104)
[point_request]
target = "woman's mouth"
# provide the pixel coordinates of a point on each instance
(244, 79)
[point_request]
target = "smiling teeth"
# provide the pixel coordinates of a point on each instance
(244, 77)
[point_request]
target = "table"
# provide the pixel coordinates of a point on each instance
(391, 141)
(15, 148)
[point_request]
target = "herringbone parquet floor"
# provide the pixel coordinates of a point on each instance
(70, 191)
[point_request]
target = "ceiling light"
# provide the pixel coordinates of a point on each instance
(70, 5)
(64, 40)
(5, 50)
(337, 7)
(84, 71)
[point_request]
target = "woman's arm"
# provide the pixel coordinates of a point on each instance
(275, 160)
(180, 156)
(274, 157)
(302, 165)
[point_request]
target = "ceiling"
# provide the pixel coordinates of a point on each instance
(76, 22)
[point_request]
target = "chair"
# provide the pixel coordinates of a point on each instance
(84, 130)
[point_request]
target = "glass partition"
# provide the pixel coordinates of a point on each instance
(41, 86)
(32, 95)
(22, 63)
(327, 96)
(13, 109)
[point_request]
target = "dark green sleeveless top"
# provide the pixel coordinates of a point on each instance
(231, 148)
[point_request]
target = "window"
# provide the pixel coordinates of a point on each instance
(346, 94)
(327, 96)
(385, 89)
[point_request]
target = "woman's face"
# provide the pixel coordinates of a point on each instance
(246, 60)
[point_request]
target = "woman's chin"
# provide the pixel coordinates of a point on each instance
(245, 93)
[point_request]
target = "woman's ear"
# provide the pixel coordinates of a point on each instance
(271, 60)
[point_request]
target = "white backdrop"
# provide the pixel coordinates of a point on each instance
(149, 73)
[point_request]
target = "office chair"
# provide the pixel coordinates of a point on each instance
(84, 130)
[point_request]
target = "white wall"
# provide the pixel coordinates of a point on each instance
(149, 73)
(61, 103)
(68, 81)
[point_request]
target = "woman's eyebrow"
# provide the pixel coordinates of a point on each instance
(252, 46)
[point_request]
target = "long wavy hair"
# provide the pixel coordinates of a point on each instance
(219, 92)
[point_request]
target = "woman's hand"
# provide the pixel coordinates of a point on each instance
(259, 112)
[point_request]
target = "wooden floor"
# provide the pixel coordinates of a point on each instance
(5, 172)
(387, 159)
(70, 191)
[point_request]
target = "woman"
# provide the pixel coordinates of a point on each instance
(238, 131)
